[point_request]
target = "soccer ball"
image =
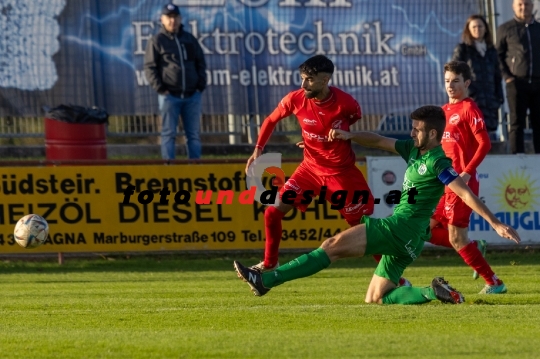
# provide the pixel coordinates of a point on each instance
(31, 231)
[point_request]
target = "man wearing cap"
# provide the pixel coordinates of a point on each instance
(174, 66)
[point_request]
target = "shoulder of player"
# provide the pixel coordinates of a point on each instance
(343, 98)
(294, 96)
(435, 155)
(339, 93)
(470, 107)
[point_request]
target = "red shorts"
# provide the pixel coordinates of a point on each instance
(304, 179)
(452, 210)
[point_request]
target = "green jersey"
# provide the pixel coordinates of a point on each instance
(423, 174)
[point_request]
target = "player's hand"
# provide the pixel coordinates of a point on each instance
(507, 231)
(337, 134)
(300, 144)
(257, 152)
(465, 177)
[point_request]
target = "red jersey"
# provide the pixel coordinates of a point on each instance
(465, 139)
(340, 110)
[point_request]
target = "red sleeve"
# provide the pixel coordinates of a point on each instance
(478, 128)
(283, 110)
(484, 145)
(356, 112)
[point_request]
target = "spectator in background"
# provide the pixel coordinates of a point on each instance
(478, 52)
(518, 46)
(175, 67)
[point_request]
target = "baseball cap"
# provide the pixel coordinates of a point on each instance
(170, 9)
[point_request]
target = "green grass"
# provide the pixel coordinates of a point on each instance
(177, 307)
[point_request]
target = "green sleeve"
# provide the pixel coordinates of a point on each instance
(440, 164)
(404, 148)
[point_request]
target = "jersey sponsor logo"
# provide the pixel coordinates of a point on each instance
(315, 137)
(407, 184)
(337, 124)
(422, 169)
(454, 119)
(450, 137)
(309, 122)
(292, 185)
(353, 208)
(410, 250)
(477, 120)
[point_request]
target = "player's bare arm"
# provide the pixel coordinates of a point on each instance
(465, 176)
(257, 152)
(459, 187)
(364, 138)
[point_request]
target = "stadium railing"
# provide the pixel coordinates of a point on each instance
(229, 129)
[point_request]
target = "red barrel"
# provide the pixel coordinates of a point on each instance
(74, 141)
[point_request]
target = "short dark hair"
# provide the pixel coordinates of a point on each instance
(317, 64)
(468, 38)
(433, 117)
(458, 68)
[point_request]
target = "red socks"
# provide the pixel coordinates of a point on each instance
(272, 227)
(473, 257)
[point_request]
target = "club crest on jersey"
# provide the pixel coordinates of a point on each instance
(454, 119)
(422, 169)
(309, 122)
(337, 123)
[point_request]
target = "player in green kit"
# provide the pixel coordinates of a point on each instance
(400, 237)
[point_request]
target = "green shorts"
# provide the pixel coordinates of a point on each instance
(398, 244)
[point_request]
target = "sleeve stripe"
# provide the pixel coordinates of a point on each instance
(448, 175)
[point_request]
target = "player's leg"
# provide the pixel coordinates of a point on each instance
(439, 226)
(169, 107)
(471, 254)
(350, 191)
(383, 289)
(302, 180)
(534, 115)
(391, 265)
(273, 217)
(517, 105)
(191, 112)
(458, 215)
(349, 243)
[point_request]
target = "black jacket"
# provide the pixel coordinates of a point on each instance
(175, 63)
(518, 45)
(486, 82)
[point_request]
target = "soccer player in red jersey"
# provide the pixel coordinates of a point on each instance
(466, 142)
(328, 165)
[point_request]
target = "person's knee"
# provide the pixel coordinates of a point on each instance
(373, 298)
(329, 244)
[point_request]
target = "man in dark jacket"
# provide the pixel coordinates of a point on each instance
(174, 66)
(518, 46)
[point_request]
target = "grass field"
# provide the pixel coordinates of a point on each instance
(180, 307)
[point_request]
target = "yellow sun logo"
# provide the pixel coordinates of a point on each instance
(517, 191)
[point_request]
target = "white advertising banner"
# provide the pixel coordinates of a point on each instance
(509, 185)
